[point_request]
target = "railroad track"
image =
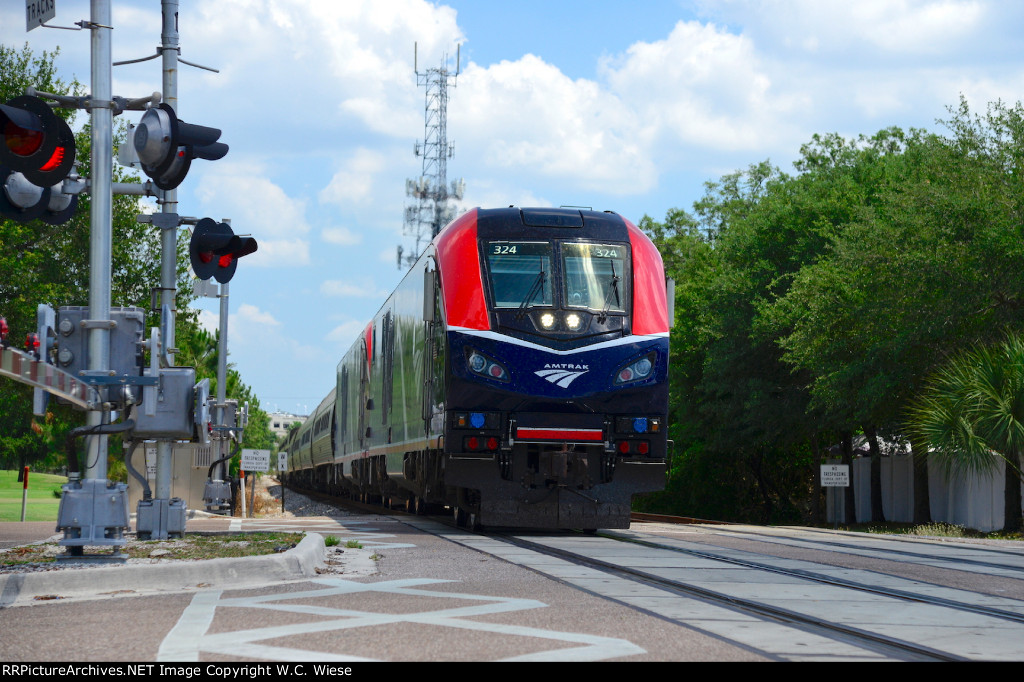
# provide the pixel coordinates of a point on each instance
(900, 547)
(560, 545)
(882, 644)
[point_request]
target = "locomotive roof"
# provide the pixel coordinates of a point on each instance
(548, 223)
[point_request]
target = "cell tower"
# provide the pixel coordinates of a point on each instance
(430, 192)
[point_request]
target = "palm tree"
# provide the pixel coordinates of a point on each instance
(971, 417)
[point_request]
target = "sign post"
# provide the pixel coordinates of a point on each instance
(282, 466)
(835, 476)
(24, 491)
(254, 460)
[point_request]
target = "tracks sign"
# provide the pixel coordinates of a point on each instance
(38, 12)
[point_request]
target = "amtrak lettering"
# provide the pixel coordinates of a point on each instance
(562, 374)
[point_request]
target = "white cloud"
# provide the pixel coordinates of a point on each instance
(254, 201)
(360, 289)
(701, 86)
(527, 116)
(258, 207)
(277, 253)
(355, 57)
(489, 194)
(209, 321)
(320, 105)
(248, 313)
(344, 334)
(340, 235)
(833, 27)
(354, 181)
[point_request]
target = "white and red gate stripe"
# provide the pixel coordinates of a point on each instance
(24, 368)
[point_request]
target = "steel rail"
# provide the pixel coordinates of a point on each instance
(834, 582)
(808, 623)
(811, 624)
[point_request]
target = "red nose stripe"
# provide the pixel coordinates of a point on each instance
(526, 433)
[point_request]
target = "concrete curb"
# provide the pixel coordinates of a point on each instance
(174, 576)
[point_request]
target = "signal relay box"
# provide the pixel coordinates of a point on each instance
(125, 339)
(171, 417)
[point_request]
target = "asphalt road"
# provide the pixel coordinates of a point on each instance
(405, 595)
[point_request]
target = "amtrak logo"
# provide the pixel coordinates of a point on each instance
(562, 374)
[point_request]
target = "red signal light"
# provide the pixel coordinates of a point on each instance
(36, 142)
(55, 161)
(32, 344)
(22, 141)
(215, 249)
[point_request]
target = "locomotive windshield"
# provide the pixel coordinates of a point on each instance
(594, 276)
(520, 273)
(589, 276)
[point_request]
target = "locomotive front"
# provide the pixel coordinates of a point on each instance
(557, 391)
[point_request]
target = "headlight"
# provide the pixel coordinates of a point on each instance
(636, 370)
(485, 366)
(477, 362)
(573, 321)
(547, 320)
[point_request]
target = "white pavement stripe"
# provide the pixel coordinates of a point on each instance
(189, 636)
(180, 643)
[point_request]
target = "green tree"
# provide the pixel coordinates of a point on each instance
(50, 264)
(733, 401)
(929, 266)
(970, 417)
(23, 248)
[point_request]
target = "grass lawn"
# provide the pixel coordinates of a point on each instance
(41, 505)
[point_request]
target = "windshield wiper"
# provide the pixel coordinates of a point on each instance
(537, 286)
(613, 285)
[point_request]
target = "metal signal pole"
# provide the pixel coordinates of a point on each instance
(168, 263)
(94, 511)
(101, 219)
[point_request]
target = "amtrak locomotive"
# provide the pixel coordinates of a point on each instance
(518, 375)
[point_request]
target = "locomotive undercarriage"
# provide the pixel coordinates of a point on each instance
(554, 485)
(531, 485)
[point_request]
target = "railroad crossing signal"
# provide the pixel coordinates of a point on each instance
(36, 142)
(166, 146)
(37, 152)
(215, 249)
(22, 201)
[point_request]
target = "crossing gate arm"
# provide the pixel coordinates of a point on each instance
(26, 369)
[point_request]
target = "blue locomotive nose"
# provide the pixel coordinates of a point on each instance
(518, 375)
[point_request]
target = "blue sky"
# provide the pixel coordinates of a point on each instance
(621, 105)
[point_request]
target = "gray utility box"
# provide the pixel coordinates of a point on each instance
(93, 512)
(72, 331)
(169, 515)
(174, 405)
